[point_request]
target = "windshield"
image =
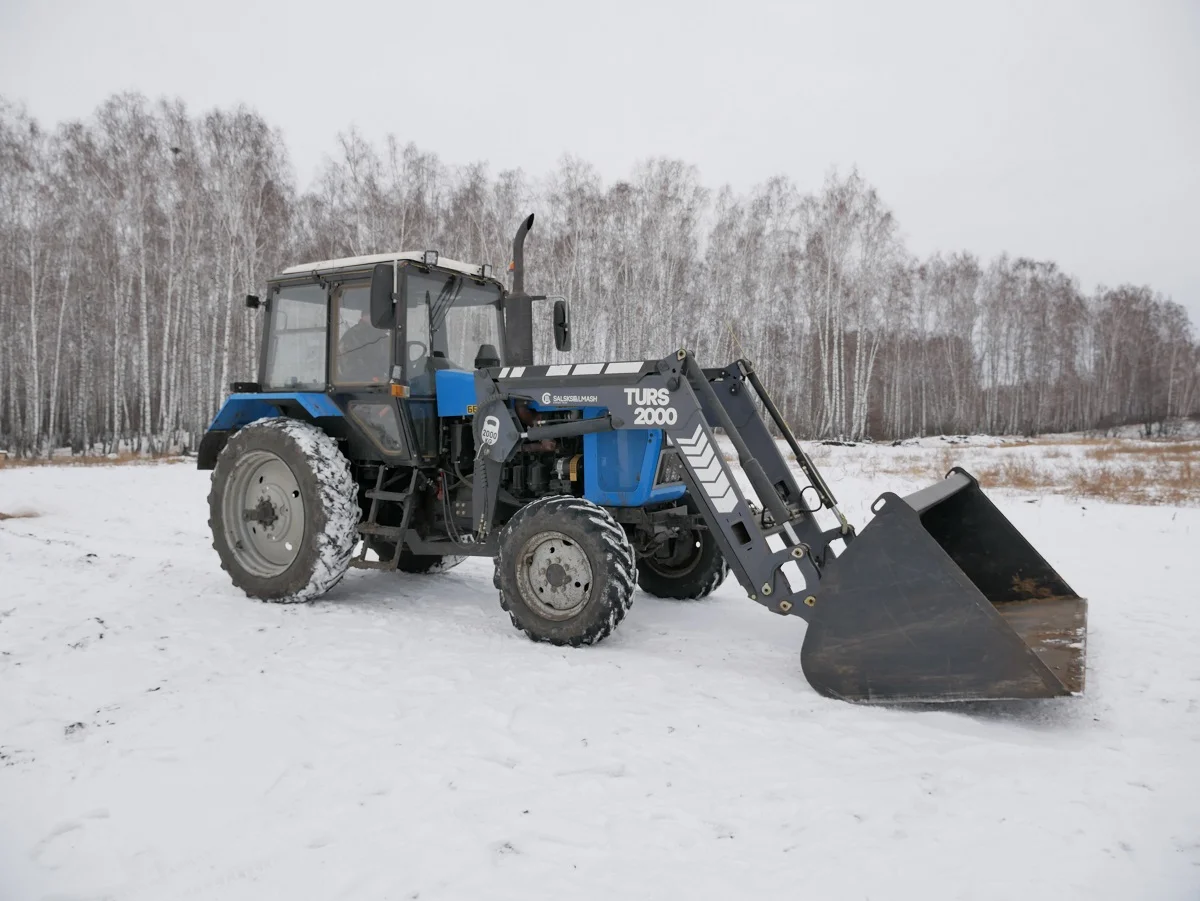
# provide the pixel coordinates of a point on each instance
(450, 317)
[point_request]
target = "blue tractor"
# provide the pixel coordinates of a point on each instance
(399, 422)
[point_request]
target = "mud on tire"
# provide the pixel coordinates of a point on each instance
(565, 572)
(283, 511)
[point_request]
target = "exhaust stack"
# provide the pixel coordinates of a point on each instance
(518, 306)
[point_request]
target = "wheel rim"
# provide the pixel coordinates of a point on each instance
(554, 575)
(676, 556)
(264, 514)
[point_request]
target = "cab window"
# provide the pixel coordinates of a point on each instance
(296, 339)
(416, 343)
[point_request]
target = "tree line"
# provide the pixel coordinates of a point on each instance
(128, 241)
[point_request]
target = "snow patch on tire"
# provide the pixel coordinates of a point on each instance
(333, 511)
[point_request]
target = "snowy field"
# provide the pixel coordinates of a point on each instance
(164, 737)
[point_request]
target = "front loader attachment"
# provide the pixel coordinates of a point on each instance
(939, 599)
(942, 599)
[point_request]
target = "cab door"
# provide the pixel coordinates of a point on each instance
(360, 366)
(419, 370)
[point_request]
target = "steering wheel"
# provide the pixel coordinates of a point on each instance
(416, 350)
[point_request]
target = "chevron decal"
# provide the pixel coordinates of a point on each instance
(706, 464)
(527, 372)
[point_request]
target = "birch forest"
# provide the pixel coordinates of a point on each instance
(128, 241)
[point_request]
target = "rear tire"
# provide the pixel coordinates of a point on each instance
(565, 572)
(283, 510)
(686, 568)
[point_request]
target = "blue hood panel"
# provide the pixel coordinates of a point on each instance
(455, 392)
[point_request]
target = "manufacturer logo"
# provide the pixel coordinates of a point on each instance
(651, 406)
(569, 400)
(491, 430)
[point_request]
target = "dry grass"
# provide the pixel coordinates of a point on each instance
(1069, 441)
(122, 459)
(1154, 483)
(1080, 441)
(1134, 477)
(20, 514)
(1154, 472)
(1016, 442)
(1159, 451)
(919, 466)
(1127, 471)
(1022, 474)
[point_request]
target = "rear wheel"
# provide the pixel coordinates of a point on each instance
(684, 568)
(565, 572)
(283, 510)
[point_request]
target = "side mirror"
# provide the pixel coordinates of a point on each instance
(252, 302)
(562, 325)
(383, 306)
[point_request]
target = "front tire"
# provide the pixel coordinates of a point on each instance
(565, 572)
(686, 568)
(283, 510)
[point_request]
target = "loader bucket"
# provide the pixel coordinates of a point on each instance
(942, 599)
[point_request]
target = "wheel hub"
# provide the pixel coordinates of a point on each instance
(264, 514)
(554, 575)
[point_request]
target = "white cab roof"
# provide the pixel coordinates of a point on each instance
(415, 256)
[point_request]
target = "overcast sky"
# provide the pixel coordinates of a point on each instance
(1059, 130)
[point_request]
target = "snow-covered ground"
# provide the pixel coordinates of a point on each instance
(162, 736)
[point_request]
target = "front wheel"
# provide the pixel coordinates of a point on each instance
(686, 568)
(565, 572)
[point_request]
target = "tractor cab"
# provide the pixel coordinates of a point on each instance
(382, 350)
(440, 315)
(328, 354)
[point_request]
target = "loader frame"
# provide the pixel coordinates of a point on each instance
(946, 601)
(777, 554)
